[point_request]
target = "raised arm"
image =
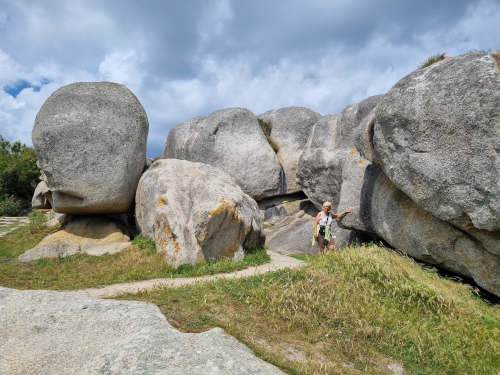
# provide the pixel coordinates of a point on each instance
(342, 214)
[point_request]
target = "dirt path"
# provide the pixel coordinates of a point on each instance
(277, 262)
(8, 224)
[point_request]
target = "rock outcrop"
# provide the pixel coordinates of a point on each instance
(46, 332)
(195, 212)
(42, 197)
(393, 216)
(332, 139)
(93, 235)
(437, 133)
(90, 141)
(232, 140)
(289, 129)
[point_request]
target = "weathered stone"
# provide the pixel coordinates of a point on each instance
(437, 134)
(292, 234)
(282, 206)
(352, 122)
(363, 142)
(332, 139)
(56, 218)
(320, 164)
(358, 177)
(41, 197)
(195, 212)
(401, 223)
(232, 140)
(93, 235)
(90, 141)
(289, 128)
(47, 332)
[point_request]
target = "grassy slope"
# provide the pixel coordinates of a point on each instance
(138, 262)
(364, 307)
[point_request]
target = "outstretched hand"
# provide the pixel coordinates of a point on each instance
(348, 211)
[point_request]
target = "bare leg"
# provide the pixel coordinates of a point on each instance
(331, 245)
(321, 250)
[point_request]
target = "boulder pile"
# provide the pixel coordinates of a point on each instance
(420, 166)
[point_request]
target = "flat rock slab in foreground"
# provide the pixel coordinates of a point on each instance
(47, 332)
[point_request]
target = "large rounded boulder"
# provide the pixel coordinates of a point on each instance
(232, 140)
(289, 129)
(437, 134)
(90, 141)
(195, 212)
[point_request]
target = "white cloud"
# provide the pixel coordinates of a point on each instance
(123, 67)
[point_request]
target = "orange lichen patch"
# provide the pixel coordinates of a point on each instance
(161, 202)
(226, 207)
(353, 151)
(361, 160)
(164, 236)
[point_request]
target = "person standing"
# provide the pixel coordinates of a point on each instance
(322, 227)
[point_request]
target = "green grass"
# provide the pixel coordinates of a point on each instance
(432, 60)
(139, 262)
(305, 257)
(365, 306)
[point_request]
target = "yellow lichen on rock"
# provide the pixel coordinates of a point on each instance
(164, 235)
(161, 202)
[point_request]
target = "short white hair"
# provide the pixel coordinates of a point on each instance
(327, 204)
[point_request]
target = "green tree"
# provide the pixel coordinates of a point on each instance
(18, 176)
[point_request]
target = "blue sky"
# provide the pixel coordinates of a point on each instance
(189, 58)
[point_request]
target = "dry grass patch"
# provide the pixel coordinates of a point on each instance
(360, 311)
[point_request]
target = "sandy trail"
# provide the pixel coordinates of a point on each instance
(278, 262)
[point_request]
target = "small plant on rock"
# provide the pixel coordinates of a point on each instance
(145, 243)
(432, 60)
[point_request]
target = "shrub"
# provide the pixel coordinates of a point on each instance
(145, 243)
(38, 221)
(432, 60)
(11, 206)
(18, 171)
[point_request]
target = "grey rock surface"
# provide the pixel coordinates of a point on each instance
(93, 235)
(292, 234)
(358, 177)
(282, 205)
(437, 134)
(232, 140)
(320, 164)
(47, 332)
(56, 218)
(195, 212)
(332, 140)
(90, 141)
(290, 128)
(401, 223)
(41, 197)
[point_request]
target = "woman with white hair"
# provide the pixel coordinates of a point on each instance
(322, 227)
